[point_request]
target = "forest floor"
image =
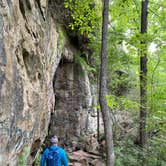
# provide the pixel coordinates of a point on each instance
(82, 158)
(87, 152)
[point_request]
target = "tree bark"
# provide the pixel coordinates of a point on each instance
(103, 89)
(98, 125)
(143, 76)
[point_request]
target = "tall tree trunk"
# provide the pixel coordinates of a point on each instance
(143, 76)
(103, 89)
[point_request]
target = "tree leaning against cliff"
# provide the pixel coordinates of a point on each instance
(103, 89)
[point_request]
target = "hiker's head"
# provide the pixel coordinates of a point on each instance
(54, 140)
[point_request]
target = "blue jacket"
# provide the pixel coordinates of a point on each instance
(62, 156)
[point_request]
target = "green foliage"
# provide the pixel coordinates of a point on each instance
(81, 60)
(121, 103)
(123, 55)
(22, 158)
(85, 17)
(37, 160)
(129, 154)
(124, 50)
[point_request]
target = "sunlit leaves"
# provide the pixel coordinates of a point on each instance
(121, 103)
(86, 16)
(125, 41)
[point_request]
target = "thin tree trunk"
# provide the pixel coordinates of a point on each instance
(143, 76)
(103, 89)
(98, 125)
(98, 112)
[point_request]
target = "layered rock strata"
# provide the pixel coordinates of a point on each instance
(38, 78)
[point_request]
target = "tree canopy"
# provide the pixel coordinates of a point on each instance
(124, 52)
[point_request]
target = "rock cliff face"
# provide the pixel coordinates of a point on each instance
(73, 102)
(38, 78)
(28, 59)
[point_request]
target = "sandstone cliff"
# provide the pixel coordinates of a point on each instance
(42, 90)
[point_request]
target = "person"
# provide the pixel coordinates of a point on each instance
(54, 155)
